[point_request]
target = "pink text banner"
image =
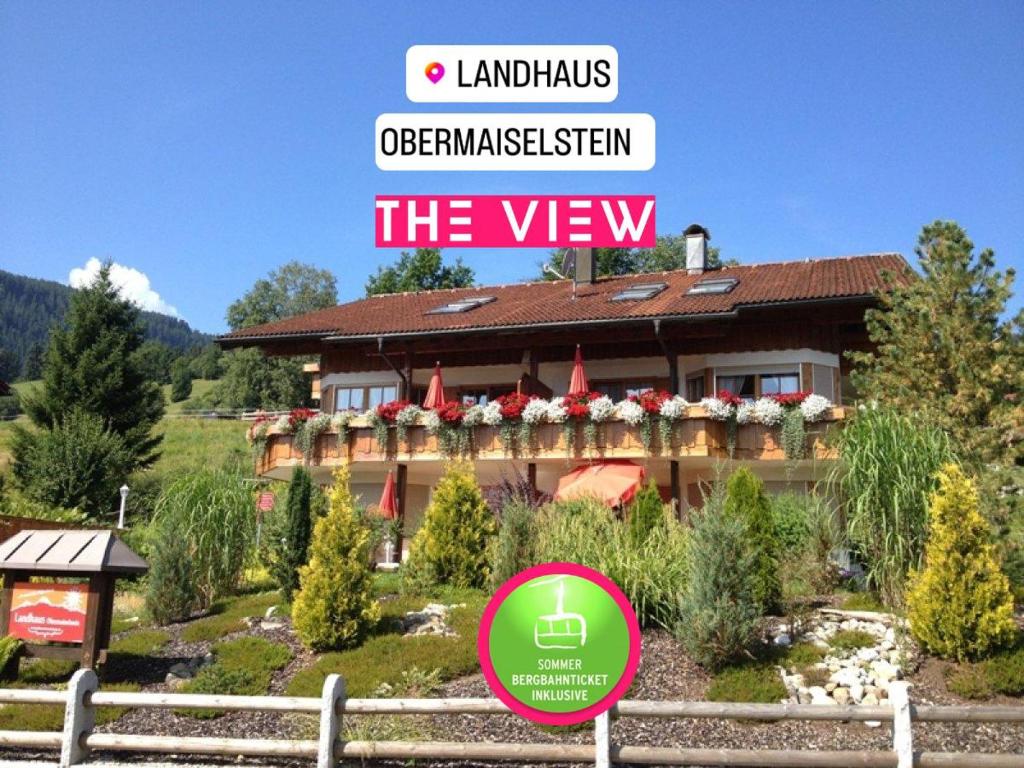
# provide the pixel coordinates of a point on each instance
(514, 221)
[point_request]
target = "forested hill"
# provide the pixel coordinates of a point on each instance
(29, 307)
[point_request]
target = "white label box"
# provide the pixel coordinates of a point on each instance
(511, 73)
(578, 141)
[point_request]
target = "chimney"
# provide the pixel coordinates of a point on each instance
(586, 268)
(696, 249)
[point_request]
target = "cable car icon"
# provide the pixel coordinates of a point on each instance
(559, 630)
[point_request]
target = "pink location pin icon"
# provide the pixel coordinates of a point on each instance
(435, 71)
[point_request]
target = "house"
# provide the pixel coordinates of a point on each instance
(751, 330)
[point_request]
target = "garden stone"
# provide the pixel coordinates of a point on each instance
(820, 697)
(182, 670)
(207, 660)
(804, 697)
(846, 677)
(883, 670)
(867, 654)
(870, 700)
(783, 640)
(842, 696)
(269, 626)
(857, 693)
(830, 687)
(873, 723)
(174, 682)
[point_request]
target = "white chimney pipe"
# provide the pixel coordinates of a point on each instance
(696, 252)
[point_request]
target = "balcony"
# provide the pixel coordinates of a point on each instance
(696, 437)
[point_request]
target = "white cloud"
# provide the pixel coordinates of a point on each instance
(131, 284)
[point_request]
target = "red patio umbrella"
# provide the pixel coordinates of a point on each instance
(388, 505)
(614, 482)
(435, 392)
(578, 384)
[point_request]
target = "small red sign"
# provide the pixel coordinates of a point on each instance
(50, 612)
(265, 502)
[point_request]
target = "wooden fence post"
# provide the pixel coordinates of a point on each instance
(602, 741)
(332, 702)
(79, 717)
(902, 738)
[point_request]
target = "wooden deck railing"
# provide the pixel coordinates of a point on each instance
(694, 436)
(82, 697)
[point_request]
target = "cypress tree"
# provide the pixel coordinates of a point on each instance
(181, 380)
(647, 513)
(746, 501)
(298, 529)
(91, 365)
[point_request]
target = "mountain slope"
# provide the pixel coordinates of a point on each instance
(29, 307)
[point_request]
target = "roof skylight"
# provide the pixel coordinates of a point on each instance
(713, 285)
(639, 292)
(461, 305)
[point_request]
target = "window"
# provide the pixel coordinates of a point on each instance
(482, 395)
(349, 398)
(611, 388)
(461, 305)
(639, 292)
(364, 398)
(738, 385)
(378, 395)
(637, 389)
(713, 285)
(695, 389)
(779, 383)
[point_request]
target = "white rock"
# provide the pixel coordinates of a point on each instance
(883, 670)
(870, 700)
(867, 654)
(846, 677)
(271, 625)
(857, 692)
(820, 697)
(783, 640)
(842, 696)
(873, 723)
(830, 687)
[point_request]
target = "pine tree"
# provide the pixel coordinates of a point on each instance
(91, 365)
(298, 528)
(959, 605)
(456, 530)
(181, 380)
(334, 607)
(943, 350)
(746, 501)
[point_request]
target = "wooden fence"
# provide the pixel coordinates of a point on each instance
(83, 696)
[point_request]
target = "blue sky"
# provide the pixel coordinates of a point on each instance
(204, 144)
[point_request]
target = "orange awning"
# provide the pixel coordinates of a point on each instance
(388, 506)
(435, 392)
(614, 482)
(578, 384)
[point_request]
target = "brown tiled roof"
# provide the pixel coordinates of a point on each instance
(550, 303)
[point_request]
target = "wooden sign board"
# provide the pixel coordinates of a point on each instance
(49, 612)
(265, 502)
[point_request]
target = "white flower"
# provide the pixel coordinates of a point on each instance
(718, 410)
(431, 421)
(259, 431)
(319, 423)
(407, 416)
(602, 409)
(556, 412)
(371, 416)
(474, 415)
(674, 408)
(535, 411)
(745, 413)
(814, 408)
(283, 424)
(492, 413)
(767, 411)
(630, 412)
(342, 418)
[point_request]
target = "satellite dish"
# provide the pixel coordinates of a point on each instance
(569, 261)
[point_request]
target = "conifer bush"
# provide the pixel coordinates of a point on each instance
(515, 547)
(172, 593)
(646, 513)
(298, 528)
(746, 501)
(334, 607)
(959, 605)
(718, 610)
(456, 531)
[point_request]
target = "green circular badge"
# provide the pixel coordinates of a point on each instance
(559, 643)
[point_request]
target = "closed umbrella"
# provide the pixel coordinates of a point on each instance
(578, 384)
(435, 392)
(388, 506)
(613, 482)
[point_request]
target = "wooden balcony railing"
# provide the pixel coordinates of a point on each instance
(696, 435)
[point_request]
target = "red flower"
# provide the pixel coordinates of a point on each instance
(578, 406)
(790, 399)
(650, 400)
(452, 412)
(389, 411)
(300, 415)
(729, 398)
(512, 404)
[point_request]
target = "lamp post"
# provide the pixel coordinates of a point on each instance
(124, 498)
